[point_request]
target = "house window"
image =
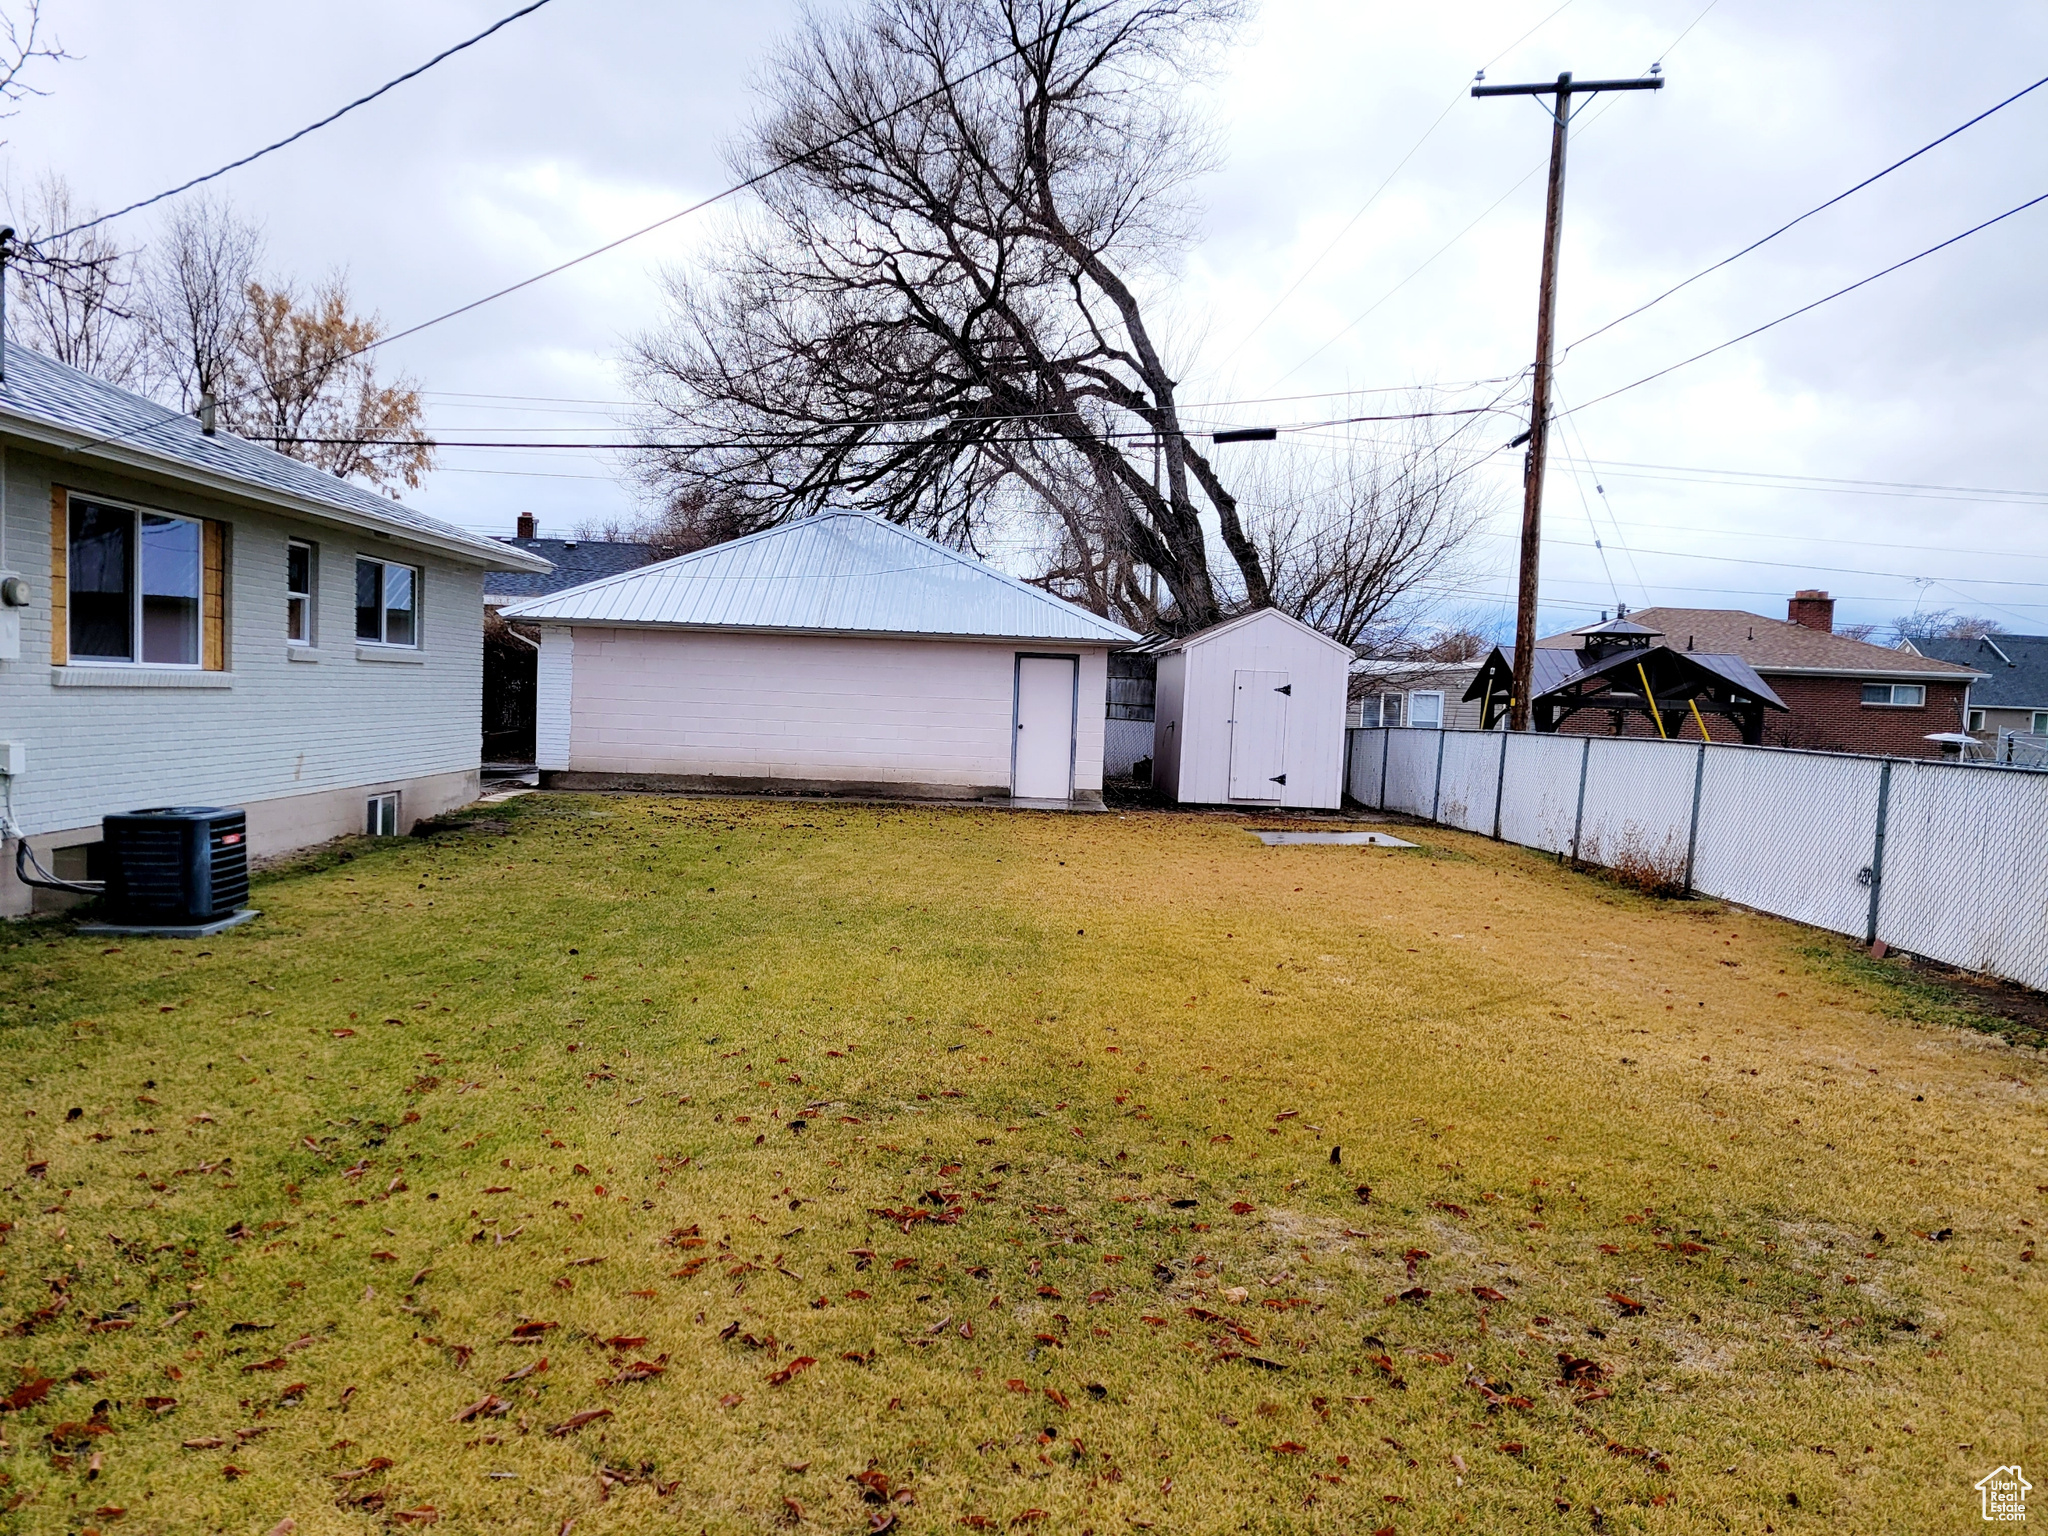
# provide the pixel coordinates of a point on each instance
(298, 592)
(1977, 719)
(387, 603)
(134, 580)
(1390, 709)
(1895, 695)
(2039, 724)
(1426, 711)
(382, 817)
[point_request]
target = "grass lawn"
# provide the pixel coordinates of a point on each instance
(846, 1164)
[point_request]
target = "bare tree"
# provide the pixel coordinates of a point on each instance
(74, 288)
(1944, 624)
(693, 517)
(943, 291)
(22, 45)
(1360, 544)
(196, 299)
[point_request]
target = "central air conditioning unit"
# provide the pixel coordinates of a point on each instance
(177, 866)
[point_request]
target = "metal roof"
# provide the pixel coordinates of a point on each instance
(1256, 616)
(69, 412)
(837, 572)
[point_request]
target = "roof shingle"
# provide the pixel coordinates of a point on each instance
(1774, 645)
(134, 432)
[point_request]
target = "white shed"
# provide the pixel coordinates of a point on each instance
(1252, 713)
(840, 653)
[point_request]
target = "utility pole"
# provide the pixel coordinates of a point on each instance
(1538, 434)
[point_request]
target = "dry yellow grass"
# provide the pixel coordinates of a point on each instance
(351, 1148)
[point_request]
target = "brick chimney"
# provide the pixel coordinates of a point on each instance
(528, 529)
(1816, 610)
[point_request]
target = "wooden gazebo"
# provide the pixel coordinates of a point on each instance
(1622, 669)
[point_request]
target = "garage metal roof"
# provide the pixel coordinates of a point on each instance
(838, 572)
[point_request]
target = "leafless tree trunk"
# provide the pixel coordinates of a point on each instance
(73, 293)
(945, 291)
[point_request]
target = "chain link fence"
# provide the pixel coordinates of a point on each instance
(1940, 859)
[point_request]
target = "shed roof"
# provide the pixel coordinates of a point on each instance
(1245, 620)
(839, 573)
(65, 410)
(2015, 668)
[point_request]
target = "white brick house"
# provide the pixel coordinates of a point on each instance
(197, 620)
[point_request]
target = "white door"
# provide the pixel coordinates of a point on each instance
(1258, 735)
(1042, 761)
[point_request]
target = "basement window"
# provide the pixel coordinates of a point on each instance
(2039, 725)
(1895, 695)
(382, 817)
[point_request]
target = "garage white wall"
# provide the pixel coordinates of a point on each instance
(848, 710)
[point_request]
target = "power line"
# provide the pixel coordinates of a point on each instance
(360, 101)
(1791, 565)
(1364, 208)
(813, 442)
(776, 169)
(1816, 304)
(1821, 208)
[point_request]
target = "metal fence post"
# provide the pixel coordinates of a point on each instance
(1692, 837)
(1579, 815)
(1884, 801)
(1500, 785)
(1386, 746)
(1436, 795)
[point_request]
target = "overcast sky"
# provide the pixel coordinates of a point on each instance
(593, 117)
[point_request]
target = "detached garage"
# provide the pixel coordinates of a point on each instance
(836, 654)
(1252, 712)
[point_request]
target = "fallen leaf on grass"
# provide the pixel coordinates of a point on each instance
(576, 1421)
(489, 1405)
(1488, 1293)
(426, 1514)
(1628, 1305)
(625, 1341)
(374, 1465)
(731, 1400)
(791, 1371)
(1289, 1448)
(265, 1365)
(639, 1370)
(532, 1330)
(1242, 1208)
(205, 1443)
(29, 1393)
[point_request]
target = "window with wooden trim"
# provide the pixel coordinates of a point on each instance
(300, 561)
(134, 586)
(387, 603)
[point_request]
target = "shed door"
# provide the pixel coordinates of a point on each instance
(1042, 761)
(1258, 735)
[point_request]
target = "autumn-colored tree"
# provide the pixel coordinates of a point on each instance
(300, 379)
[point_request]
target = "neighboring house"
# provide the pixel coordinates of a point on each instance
(1428, 695)
(1251, 712)
(510, 678)
(574, 562)
(201, 621)
(1841, 695)
(2010, 693)
(839, 653)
